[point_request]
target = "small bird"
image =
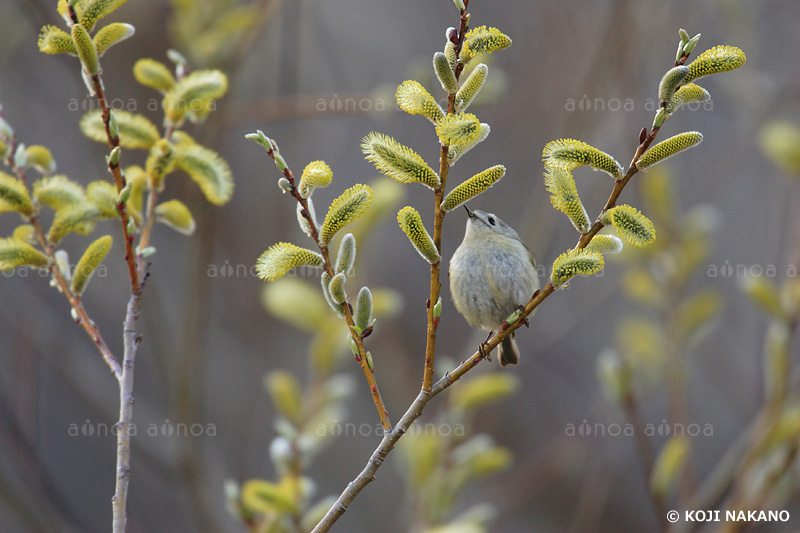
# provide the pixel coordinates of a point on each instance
(492, 274)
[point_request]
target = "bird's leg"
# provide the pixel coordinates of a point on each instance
(482, 350)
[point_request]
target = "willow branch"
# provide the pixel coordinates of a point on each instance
(361, 358)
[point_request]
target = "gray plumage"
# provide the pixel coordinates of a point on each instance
(492, 273)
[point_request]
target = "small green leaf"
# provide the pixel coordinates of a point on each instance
(176, 215)
(89, 262)
(135, 131)
(280, 258)
(54, 40)
(352, 203)
(411, 224)
(415, 100)
(58, 191)
(14, 195)
(575, 262)
(153, 74)
(110, 35)
(397, 161)
(208, 170)
(477, 184)
(15, 253)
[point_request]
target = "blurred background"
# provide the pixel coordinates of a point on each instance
(318, 76)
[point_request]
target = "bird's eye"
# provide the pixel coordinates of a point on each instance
(491, 220)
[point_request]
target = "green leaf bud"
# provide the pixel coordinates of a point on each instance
(113, 157)
(459, 4)
(317, 174)
(669, 147)
(147, 251)
(280, 258)
(89, 262)
(353, 346)
(411, 224)
(415, 100)
(363, 308)
(477, 184)
(483, 40)
(346, 256)
(689, 47)
(683, 35)
(368, 357)
(570, 154)
(471, 87)
(14, 195)
(20, 157)
(337, 288)
(444, 73)
(176, 215)
(111, 35)
(86, 50)
(575, 262)
(564, 196)
(670, 82)
(437, 309)
(661, 116)
(15, 253)
(352, 203)
(632, 226)
(153, 74)
(714, 60)
(131, 227)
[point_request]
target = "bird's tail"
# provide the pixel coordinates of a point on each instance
(508, 352)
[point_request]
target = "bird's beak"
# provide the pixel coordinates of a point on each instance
(469, 213)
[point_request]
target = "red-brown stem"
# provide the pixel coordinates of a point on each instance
(119, 181)
(438, 221)
(369, 373)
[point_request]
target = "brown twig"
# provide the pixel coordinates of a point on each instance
(361, 359)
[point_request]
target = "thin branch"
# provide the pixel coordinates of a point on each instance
(361, 359)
